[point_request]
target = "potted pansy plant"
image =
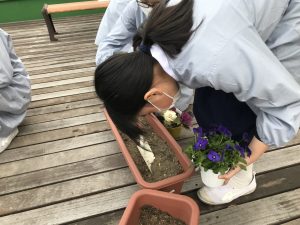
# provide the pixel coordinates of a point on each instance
(215, 153)
(174, 120)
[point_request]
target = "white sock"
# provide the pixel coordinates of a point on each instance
(242, 178)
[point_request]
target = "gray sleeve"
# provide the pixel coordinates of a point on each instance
(15, 61)
(247, 68)
(6, 70)
(15, 91)
(109, 19)
(120, 35)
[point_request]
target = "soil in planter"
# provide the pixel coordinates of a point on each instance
(165, 163)
(153, 216)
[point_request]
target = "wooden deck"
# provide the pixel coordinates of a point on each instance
(65, 167)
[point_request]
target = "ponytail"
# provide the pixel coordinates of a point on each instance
(169, 27)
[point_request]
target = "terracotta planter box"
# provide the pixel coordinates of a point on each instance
(179, 206)
(169, 184)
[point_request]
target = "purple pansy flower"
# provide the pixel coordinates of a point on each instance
(246, 138)
(201, 144)
(228, 147)
(213, 156)
(223, 130)
(241, 150)
(198, 131)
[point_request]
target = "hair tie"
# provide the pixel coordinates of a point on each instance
(145, 48)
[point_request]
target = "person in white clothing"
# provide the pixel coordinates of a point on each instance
(14, 91)
(241, 57)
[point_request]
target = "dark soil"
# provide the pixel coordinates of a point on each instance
(152, 216)
(165, 163)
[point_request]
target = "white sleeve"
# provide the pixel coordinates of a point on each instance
(247, 68)
(120, 35)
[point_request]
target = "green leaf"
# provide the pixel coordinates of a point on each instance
(243, 167)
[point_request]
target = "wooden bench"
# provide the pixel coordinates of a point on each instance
(47, 10)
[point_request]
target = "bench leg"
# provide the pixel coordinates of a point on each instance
(49, 23)
(50, 17)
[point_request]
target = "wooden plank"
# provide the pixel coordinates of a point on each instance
(62, 88)
(53, 135)
(64, 68)
(293, 222)
(271, 210)
(63, 107)
(265, 211)
(63, 123)
(20, 26)
(57, 48)
(62, 93)
(72, 210)
(58, 146)
(64, 74)
(14, 181)
(107, 219)
(63, 115)
(46, 61)
(56, 78)
(63, 99)
(271, 183)
(52, 160)
(40, 36)
(24, 24)
(51, 46)
(61, 82)
(45, 68)
(62, 173)
(67, 190)
(52, 55)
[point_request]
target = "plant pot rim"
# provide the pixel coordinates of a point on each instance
(186, 163)
(195, 211)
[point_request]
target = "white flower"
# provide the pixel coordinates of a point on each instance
(170, 115)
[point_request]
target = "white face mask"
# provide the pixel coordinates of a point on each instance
(175, 99)
(146, 11)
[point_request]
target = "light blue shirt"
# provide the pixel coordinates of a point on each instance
(110, 17)
(115, 38)
(229, 52)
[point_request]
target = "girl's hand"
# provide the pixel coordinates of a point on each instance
(258, 148)
(227, 176)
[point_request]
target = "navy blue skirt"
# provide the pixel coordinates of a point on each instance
(212, 107)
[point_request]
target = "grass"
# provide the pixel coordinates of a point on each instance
(21, 10)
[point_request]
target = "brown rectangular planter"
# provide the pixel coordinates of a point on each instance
(169, 184)
(179, 206)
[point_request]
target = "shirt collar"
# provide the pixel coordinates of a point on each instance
(162, 59)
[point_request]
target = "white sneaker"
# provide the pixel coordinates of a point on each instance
(224, 194)
(5, 142)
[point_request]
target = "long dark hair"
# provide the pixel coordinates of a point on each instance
(169, 27)
(122, 80)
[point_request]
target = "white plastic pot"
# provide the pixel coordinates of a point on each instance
(210, 179)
